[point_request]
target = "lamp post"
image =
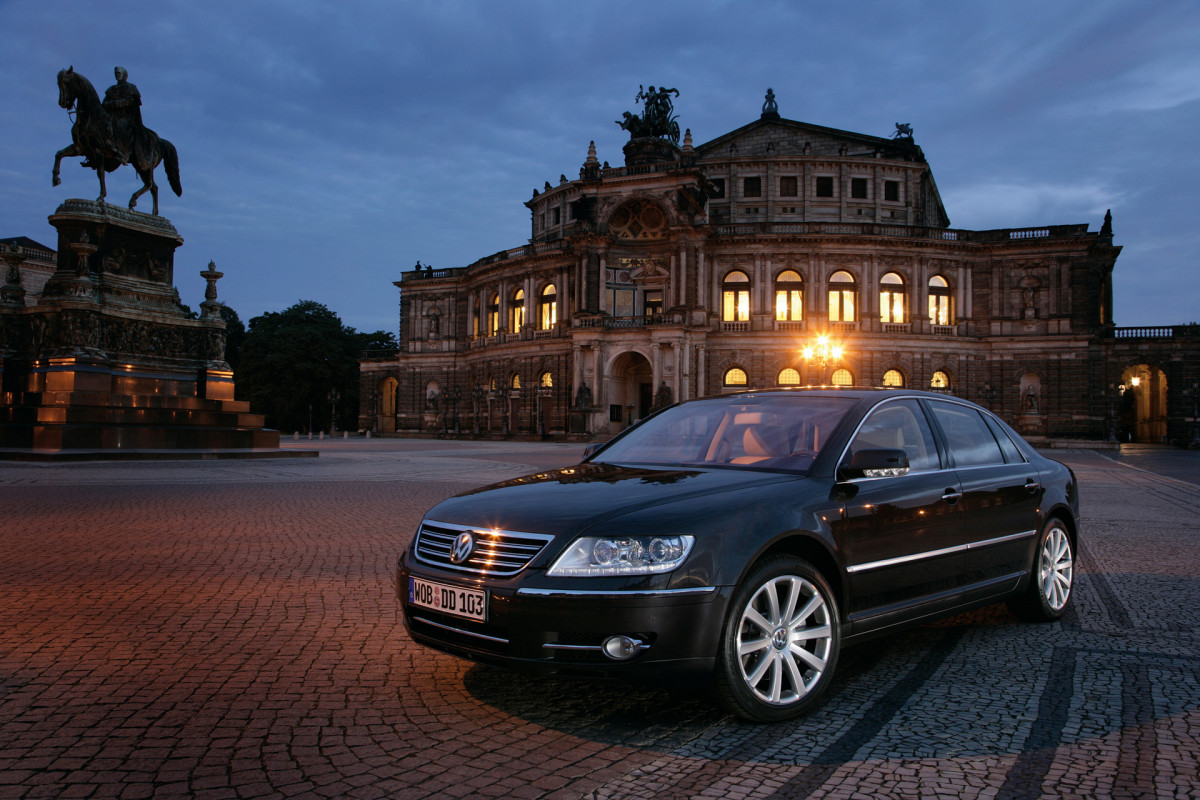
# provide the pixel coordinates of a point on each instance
(823, 353)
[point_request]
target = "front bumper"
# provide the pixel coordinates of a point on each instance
(556, 629)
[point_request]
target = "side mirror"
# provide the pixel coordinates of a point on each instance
(591, 449)
(874, 464)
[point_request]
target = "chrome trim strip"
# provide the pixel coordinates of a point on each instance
(959, 548)
(495, 639)
(609, 593)
(1000, 539)
(589, 647)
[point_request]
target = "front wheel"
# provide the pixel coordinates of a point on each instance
(1045, 598)
(780, 643)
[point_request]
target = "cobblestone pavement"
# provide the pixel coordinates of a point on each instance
(230, 630)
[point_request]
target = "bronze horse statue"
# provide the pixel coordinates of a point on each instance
(93, 138)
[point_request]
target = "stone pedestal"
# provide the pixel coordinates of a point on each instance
(109, 359)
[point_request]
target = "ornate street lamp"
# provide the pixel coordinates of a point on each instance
(823, 353)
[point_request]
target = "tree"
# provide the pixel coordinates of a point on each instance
(299, 367)
(235, 334)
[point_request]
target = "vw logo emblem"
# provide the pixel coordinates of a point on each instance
(464, 545)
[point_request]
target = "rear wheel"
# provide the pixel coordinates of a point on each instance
(1046, 597)
(780, 643)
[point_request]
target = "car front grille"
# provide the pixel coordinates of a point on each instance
(499, 553)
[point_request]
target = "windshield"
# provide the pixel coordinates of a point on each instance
(777, 432)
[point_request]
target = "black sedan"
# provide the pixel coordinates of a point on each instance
(748, 537)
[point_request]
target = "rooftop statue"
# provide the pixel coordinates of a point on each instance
(110, 133)
(657, 120)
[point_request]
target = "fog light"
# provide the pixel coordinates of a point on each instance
(622, 648)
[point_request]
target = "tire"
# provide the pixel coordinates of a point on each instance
(1048, 593)
(780, 643)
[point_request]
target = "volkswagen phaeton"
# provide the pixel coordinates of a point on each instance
(746, 538)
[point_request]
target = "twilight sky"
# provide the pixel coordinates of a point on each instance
(327, 146)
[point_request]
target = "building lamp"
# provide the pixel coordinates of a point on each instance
(823, 352)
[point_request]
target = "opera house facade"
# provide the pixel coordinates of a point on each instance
(782, 253)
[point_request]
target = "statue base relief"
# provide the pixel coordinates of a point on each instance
(109, 360)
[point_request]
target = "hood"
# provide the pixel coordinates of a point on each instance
(571, 499)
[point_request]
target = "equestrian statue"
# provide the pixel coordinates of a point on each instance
(110, 133)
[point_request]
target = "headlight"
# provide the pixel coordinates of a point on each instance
(594, 556)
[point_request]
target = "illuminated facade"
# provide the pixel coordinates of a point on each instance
(706, 268)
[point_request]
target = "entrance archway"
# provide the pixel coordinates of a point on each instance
(630, 388)
(386, 422)
(1144, 405)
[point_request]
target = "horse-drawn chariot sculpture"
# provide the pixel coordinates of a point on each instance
(108, 133)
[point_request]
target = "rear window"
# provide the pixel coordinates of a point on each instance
(970, 440)
(782, 432)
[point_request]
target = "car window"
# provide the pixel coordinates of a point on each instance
(764, 432)
(968, 436)
(1011, 454)
(899, 425)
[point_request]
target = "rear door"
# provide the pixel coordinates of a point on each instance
(1001, 498)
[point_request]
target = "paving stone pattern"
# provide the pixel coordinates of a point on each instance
(230, 630)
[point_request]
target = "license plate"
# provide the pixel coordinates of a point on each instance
(455, 600)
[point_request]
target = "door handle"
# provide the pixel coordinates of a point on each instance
(1032, 486)
(951, 496)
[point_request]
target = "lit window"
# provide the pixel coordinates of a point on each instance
(735, 377)
(843, 297)
(892, 299)
(516, 311)
(493, 315)
(941, 301)
(789, 377)
(842, 377)
(653, 302)
(548, 308)
(940, 380)
(735, 306)
(789, 297)
(893, 377)
(492, 384)
(546, 381)
(516, 381)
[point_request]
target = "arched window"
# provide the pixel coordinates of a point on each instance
(548, 308)
(941, 301)
(843, 297)
(940, 381)
(894, 377)
(516, 311)
(493, 314)
(735, 305)
(492, 384)
(788, 377)
(892, 299)
(735, 377)
(515, 382)
(842, 377)
(789, 297)
(546, 381)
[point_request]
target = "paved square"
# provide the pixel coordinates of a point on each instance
(230, 630)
